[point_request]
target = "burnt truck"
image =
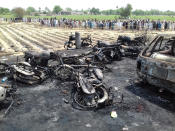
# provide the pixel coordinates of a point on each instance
(156, 62)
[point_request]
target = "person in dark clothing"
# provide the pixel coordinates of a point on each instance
(166, 25)
(110, 25)
(135, 25)
(126, 25)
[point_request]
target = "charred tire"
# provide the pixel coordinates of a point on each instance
(68, 45)
(81, 99)
(100, 98)
(64, 72)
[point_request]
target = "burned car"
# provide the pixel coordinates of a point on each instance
(156, 62)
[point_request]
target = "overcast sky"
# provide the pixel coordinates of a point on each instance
(85, 4)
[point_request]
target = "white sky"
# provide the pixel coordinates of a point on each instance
(85, 4)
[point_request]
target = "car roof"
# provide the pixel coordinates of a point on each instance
(172, 36)
(166, 35)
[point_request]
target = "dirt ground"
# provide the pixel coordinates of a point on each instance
(20, 37)
(42, 107)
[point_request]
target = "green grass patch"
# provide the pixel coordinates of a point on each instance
(99, 17)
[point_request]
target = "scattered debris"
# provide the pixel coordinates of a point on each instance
(114, 114)
(85, 69)
(125, 129)
(6, 96)
(88, 125)
(6, 112)
(161, 90)
(65, 101)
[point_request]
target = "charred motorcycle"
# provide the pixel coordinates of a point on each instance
(90, 91)
(85, 42)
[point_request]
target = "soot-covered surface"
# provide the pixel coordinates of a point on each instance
(43, 108)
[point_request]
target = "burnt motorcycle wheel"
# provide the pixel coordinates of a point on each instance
(64, 72)
(85, 101)
(93, 101)
(68, 45)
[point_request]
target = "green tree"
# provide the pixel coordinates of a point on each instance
(29, 10)
(68, 9)
(57, 9)
(138, 12)
(4, 10)
(18, 12)
(39, 9)
(126, 12)
(47, 11)
(95, 11)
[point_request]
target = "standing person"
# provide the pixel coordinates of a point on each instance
(110, 25)
(90, 24)
(56, 22)
(159, 25)
(48, 22)
(147, 25)
(166, 25)
(135, 24)
(113, 24)
(51, 22)
(154, 25)
(130, 24)
(79, 24)
(120, 25)
(150, 25)
(86, 24)
(126, 26)
(173, 25)
(94, 24)
(170, 25)
(102, 25)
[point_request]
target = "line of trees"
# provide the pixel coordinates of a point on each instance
(20, 12)
(124, 12)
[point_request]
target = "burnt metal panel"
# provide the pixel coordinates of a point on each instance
(171, 75)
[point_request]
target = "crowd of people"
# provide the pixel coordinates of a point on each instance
(101, 24)
(110, 24)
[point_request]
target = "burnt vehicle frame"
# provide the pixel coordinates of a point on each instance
(132, 47)
(85, 41)
(156, 63)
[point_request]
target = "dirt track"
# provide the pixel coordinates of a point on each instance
(42, 107)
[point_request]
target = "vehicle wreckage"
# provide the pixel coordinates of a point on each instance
(85, 41)
(156, 63)
(131, 47)
(83, 69)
